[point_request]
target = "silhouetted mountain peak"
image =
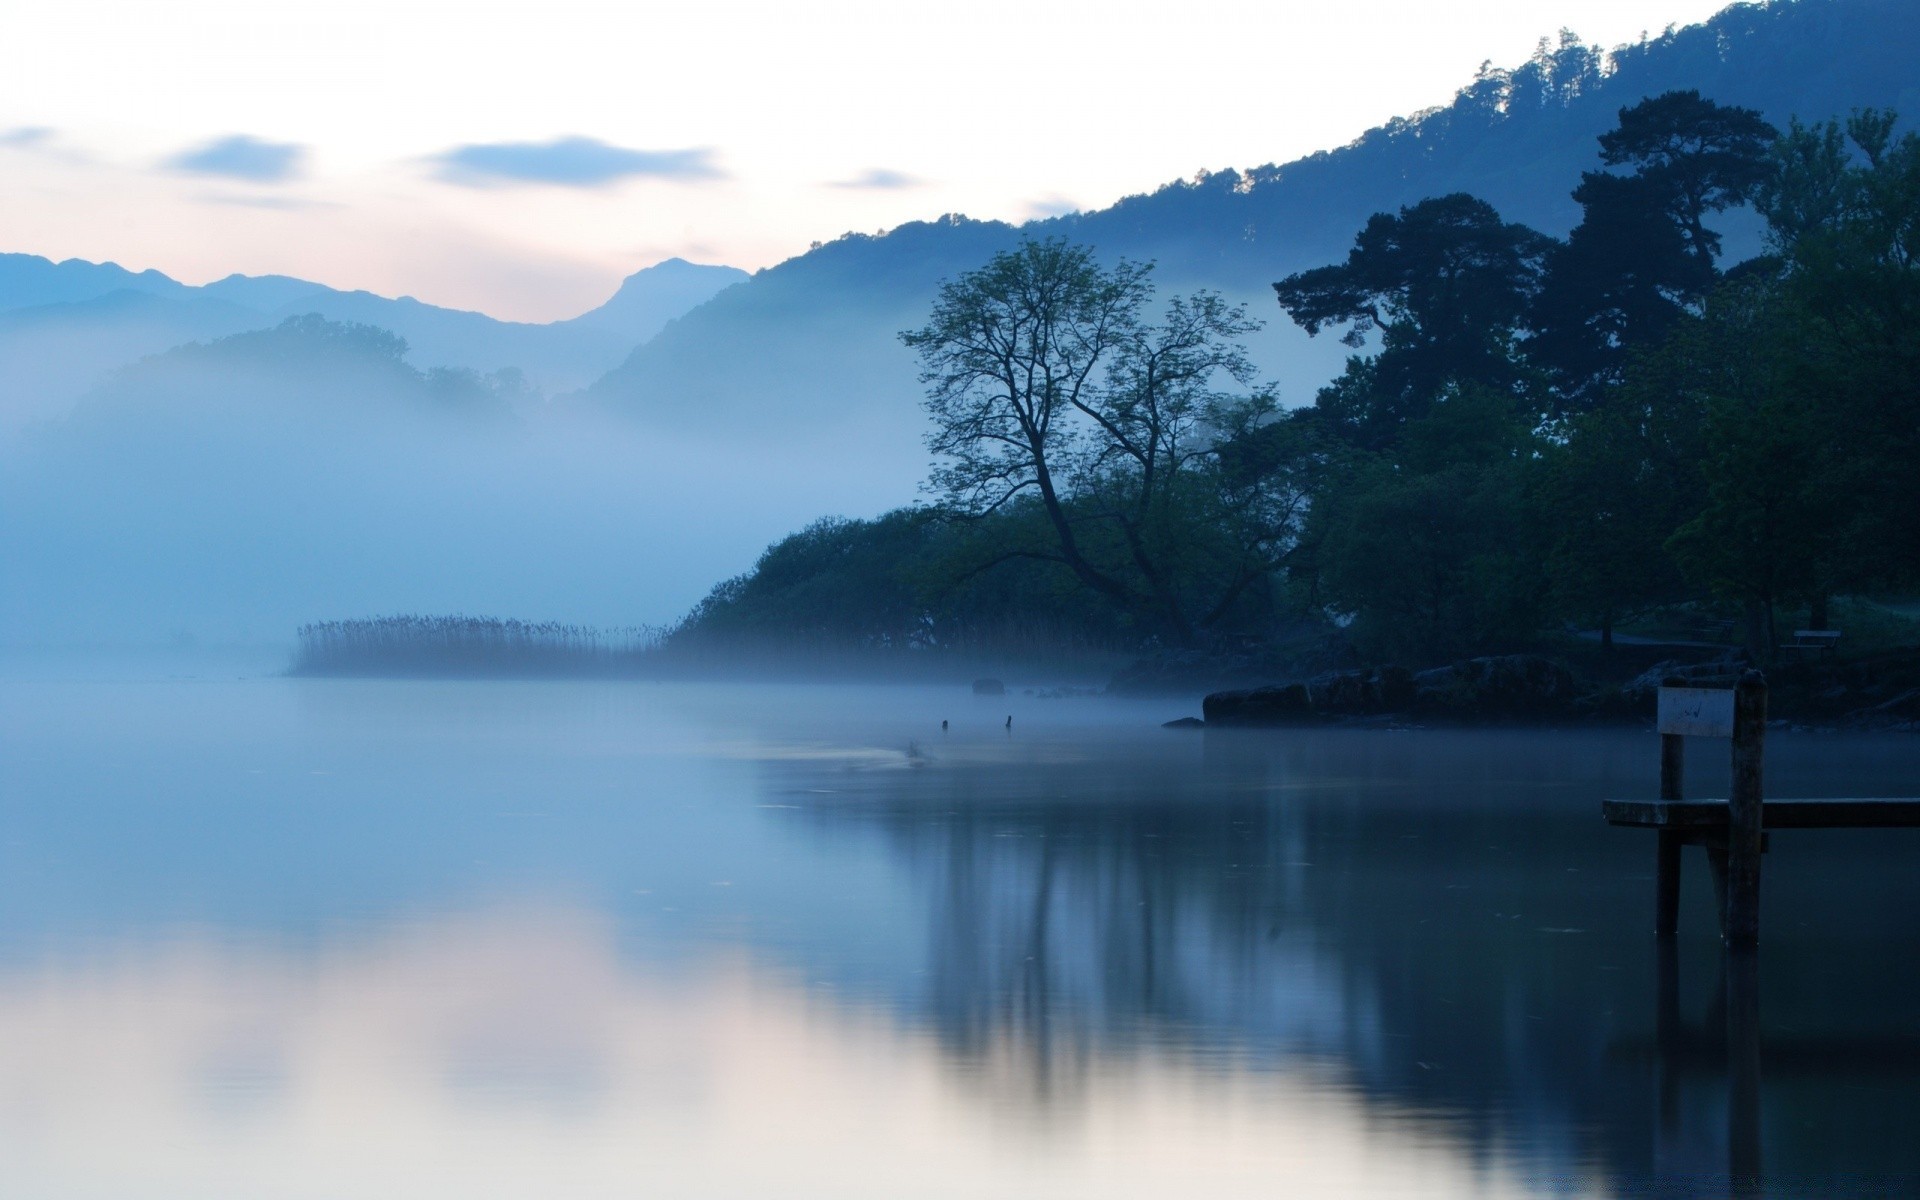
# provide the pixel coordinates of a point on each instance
(647, 299)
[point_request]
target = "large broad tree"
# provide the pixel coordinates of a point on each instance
(1623, 279)
(1445, 282)
(1642, 255)
(1843, 207)
(1047, 377)
(1698, 157)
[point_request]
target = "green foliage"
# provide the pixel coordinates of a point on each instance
(1642, 257)
(1768, 518)
(910, 580)
(1746, 437)
(1694, 157)
(1847, 230)
(1446, 283)
(1546, 434)
(1048, 381)
(1612, 487)
(1428, 549)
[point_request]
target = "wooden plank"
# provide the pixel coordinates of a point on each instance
(1743, 811)
(1666, 859)
(1869, 812)
(1696, 712)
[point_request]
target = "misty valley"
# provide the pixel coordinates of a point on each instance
(1394, 673)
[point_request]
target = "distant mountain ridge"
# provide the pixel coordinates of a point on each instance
(812, 341)
(64, 325)
(822, 326)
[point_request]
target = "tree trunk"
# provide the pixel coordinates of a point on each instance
(1757, 639)
(1817, 618)
(1069, 546)
(1172, 616)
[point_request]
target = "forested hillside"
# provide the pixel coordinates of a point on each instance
(811, 341)
(1539, 435)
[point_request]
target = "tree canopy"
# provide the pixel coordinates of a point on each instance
(1531, 435)
(1048, 375)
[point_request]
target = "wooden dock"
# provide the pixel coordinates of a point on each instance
(1734, 830)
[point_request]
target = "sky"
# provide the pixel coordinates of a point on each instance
(521, 158)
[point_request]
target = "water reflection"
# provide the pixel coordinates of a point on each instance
(519, 1052)
(1439, 923)
(277, 940)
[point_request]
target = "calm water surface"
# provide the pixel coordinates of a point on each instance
(266, 938)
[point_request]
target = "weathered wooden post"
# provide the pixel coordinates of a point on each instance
(1666, 902)
(1734, 834)
(1685, 712)
(1742, 927)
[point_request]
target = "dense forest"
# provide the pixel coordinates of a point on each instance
(1533, 434)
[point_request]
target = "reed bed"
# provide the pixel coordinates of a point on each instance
(419, 645)
(489, 647)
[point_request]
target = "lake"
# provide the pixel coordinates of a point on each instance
(266, 938)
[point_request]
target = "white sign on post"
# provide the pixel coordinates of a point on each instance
(1697, 712)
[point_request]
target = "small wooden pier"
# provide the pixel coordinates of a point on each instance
(1733, 831)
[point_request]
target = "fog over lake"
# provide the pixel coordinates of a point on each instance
(268, 938)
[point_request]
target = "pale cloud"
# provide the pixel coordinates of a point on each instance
(242, 157)
(579, 162)
(27, 137)
(879, 179)
(274, 203)
(787, 112)
(1050, 206)
(43, 142)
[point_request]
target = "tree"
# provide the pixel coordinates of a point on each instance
(1642, 255)
(1622, 279)
(1446, 282)
(1843, 211)
(1044, 377)
(1008, 356)
(1697, 157)
(1763, 530)
(1612, 488)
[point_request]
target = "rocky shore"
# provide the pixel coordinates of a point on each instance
(1876, 692)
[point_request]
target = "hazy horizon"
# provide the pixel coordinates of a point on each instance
(531, 201)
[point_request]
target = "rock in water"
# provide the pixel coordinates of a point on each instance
(1511, 685)
(1285, 705)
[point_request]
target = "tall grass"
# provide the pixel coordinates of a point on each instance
(487, 647)
(416, 645)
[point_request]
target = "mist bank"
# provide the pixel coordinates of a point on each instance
(233, 491)
(458, 647)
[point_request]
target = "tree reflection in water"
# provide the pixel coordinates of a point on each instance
(1447, 928)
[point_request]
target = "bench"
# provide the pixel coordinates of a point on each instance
(1822, 642)
(1734, 831)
